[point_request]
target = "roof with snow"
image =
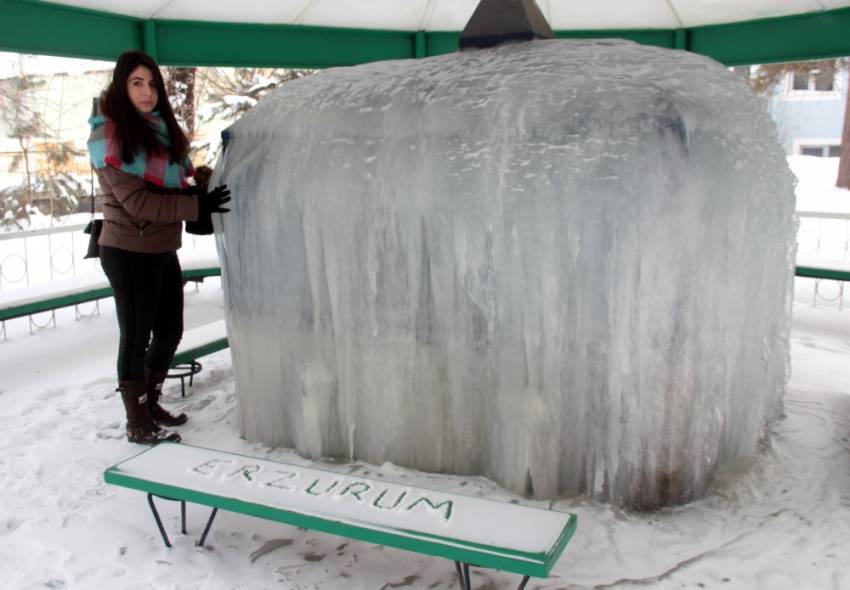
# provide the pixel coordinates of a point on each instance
(320, 33)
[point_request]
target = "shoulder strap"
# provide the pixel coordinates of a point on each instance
(91, 166)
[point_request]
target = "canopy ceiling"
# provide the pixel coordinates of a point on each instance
(452, 15)
(319, 33)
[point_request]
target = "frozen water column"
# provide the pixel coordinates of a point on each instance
(565, 265)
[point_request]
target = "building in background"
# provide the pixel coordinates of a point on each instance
(809, 112)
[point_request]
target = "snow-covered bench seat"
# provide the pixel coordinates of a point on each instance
(821, 268)
(196, 343)
(52, 296)
(90, 287)
(197, 268)
(465, 529)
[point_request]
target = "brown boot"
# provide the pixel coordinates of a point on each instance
(140, 426)
(154, 381)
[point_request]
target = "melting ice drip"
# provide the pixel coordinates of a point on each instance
(565, 265)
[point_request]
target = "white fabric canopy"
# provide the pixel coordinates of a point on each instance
(452, 15)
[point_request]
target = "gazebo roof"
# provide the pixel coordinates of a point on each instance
(318, 33)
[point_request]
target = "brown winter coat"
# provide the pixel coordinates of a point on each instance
(140, 218)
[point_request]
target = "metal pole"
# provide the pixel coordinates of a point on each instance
(207, 528)
(149, 38)
(158, 521)
(420, 45)
(460, 575)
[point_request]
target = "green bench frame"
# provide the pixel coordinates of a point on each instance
(814, 272)
(199, 274)
(821, 273)
(52, 303)
(257, 489)
(185, 364)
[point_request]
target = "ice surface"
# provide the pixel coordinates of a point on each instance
(566, 265)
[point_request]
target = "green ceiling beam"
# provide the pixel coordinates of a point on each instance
(54, 29)
(30, 26)
(815, 35)
(227, 44)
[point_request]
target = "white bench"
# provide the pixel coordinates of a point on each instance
(197, 268)
(467, 530)
(52, 296)
(27, 301)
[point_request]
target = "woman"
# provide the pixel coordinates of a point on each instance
(140, 155)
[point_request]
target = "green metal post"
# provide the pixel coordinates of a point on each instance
(420, 47)
(149, 38)
(680, 39)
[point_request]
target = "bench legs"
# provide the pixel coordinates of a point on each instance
(159, 520)
(207, 528)
(162, 532)
(462, 568)
(466, 579)
(839, 297)
(184, 370)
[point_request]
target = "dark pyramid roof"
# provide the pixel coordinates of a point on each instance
(502, 21)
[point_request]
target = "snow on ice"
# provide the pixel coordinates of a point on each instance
(524, 262)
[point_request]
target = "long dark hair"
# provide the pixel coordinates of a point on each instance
(134, 132)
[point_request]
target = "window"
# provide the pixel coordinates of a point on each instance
(820, 150)
(824, 82)
(800, 82)
(813, 81)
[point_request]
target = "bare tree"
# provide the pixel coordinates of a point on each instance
(843, 180)
(46, 185)
(180, 87)
(233, 91)
(229, 93)
(22, 122)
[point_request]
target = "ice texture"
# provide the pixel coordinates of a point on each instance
(565, 265)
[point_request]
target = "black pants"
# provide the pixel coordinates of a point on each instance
(149, 303)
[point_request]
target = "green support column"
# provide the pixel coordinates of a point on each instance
(420, 45)
(149, 38)
(680, 39)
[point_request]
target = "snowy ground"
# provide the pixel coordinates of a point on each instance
(782, 523)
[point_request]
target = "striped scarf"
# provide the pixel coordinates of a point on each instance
(105, 150)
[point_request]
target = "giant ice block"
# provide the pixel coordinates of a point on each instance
(565, 265)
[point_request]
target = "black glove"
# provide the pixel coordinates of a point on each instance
(209, 203)
(191, 191)
(212, 202)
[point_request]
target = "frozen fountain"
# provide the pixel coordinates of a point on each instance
(565, 265)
